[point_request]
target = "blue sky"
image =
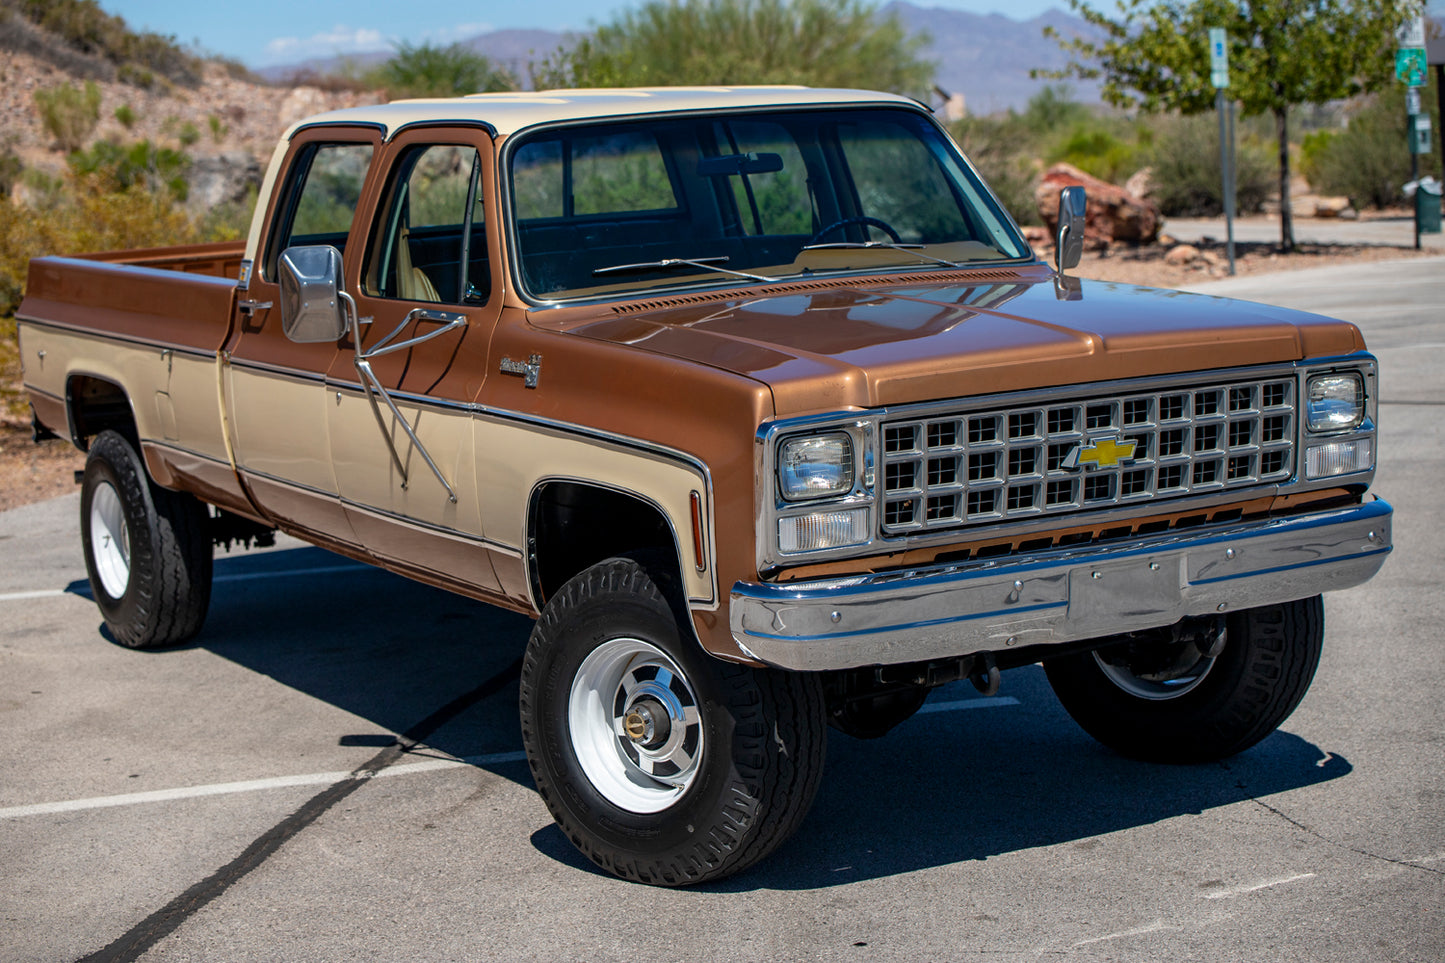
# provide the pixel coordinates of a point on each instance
(262, 33)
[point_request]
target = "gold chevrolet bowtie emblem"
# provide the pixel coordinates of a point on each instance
(1104, 453)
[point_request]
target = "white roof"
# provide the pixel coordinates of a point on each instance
(508, 113)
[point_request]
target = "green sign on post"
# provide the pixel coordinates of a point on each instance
(1218, 58)
(1410, 66)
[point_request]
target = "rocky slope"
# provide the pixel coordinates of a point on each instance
(228, 116)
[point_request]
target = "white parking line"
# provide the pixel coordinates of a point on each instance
(1158, 926)
(237, 577)
(252, 785)
(1252, 887)
(326, 778)
(986, 702)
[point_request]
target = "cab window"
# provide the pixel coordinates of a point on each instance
(429, 244)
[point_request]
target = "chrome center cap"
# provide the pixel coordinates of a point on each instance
(647, 723)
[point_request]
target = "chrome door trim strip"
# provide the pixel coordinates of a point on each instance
(288, 483)
(566, 427)
(93, 335)
(500, 548)
(295, 374)
(170, 446)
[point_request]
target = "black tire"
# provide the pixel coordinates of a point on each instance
(1263, 671)
(154, 586)
(744, 757)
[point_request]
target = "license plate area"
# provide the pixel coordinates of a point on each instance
(1134, 594)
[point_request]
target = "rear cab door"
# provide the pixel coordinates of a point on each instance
(276, 388)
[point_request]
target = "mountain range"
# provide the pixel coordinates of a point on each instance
(984, 57)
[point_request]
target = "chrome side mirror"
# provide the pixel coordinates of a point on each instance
(311, 309)
(1069, 242)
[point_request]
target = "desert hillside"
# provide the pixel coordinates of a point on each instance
(220, 115)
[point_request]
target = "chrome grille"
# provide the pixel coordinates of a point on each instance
(968, 467)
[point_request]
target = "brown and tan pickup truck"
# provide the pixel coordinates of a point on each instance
(757, 400)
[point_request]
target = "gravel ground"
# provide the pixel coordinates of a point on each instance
(32, 473)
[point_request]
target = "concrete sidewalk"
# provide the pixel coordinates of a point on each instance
(1264, 229)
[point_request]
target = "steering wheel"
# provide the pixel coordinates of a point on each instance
(870, 221)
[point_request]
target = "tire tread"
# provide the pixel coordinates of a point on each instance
(778, 740)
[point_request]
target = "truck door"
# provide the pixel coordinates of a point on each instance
(399, 404)
(277, 398)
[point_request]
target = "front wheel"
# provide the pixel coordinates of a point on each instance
(661, 764)
(147, 549)
(1195, 696)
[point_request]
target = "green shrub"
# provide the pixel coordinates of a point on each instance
(126, 115)
(218, 129)
(11, 167)
(1188, 178)
(1095, 149)
(12, 398)
(85, 27)
(137, 76)
(1368, 159)
(142, 164)
(1052, 110)
(91, 215)
(69, 113)
(428, 71)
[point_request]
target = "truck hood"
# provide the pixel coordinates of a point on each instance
(824, 346)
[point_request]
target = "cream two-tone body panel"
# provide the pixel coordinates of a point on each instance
(156, 356)
(519, 454)
(278, 424)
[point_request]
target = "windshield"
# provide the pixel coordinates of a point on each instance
(622, 207)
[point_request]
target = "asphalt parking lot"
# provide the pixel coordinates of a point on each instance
(243, 798)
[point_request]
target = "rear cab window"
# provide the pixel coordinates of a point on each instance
(429, 242)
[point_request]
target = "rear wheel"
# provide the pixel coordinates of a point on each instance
(661, 764)
(1193, 696)
(147, 549)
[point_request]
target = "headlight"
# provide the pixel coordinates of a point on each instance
(1336, 402)
(816, 466)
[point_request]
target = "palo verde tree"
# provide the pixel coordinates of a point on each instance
(822, 43)
(1282, 53)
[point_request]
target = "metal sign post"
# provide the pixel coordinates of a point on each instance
(1410, 69)
(1219, 77)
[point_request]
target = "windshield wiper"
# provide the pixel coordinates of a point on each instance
(706, 263)
(890, 245)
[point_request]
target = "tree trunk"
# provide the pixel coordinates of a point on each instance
(1286, 215)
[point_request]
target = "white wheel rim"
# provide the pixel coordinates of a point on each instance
(109, 540)
(622, 684)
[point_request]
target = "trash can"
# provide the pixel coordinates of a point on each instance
(1427, 205)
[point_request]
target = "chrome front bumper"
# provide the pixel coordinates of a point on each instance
(1064, 595)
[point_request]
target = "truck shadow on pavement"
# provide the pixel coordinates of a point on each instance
(945, 787)
(952, 787)
(381, 647)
